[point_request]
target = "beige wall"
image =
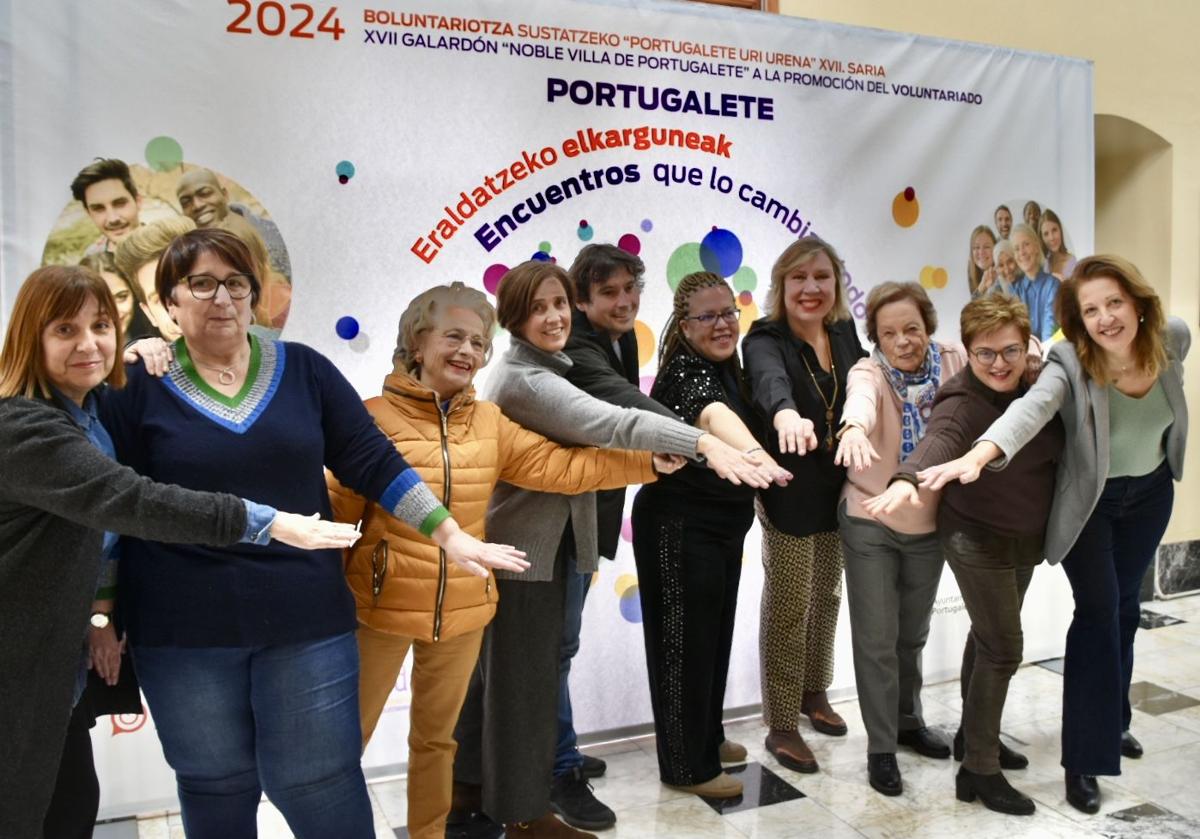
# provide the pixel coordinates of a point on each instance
(1145, 73)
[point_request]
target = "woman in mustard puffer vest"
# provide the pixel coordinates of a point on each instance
(406, 593)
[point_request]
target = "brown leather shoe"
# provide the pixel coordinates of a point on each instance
(547, 827)
(791, 751)
(820, 713)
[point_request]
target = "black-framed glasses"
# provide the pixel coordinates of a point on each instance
(986, 355)
(379, 565)
(710, 318)
(204, 286)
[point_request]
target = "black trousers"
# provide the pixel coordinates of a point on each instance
(508, 727)
(689, 565)
(72, 813)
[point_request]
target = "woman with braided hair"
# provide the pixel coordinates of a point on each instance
(688, 532)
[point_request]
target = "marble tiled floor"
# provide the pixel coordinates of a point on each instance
(1154, 797)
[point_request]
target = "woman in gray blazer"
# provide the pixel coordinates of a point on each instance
(508, 726)
(1117, 382)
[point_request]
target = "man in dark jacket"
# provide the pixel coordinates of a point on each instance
(604, 352)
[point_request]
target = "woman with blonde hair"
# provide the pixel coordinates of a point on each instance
(797, 359)
(407, 596)
(981, 269)
(1117, 383)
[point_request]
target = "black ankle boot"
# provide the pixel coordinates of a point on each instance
(1083, 793)
(884, 774)
(994, 791)
(1008, 758)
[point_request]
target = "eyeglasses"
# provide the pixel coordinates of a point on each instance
(710, 318)
(379, 564)
(204, 286)
(988, 356)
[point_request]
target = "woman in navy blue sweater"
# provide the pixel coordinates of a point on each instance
(250, 667)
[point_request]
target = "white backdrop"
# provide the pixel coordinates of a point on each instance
(891, 146)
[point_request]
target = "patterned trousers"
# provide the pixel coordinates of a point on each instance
(802, 593)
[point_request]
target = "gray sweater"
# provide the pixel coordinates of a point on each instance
(58, 493)
(529, 387)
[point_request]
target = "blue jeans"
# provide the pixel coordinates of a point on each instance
(237, 721)
(566, 753)
(1105, 567)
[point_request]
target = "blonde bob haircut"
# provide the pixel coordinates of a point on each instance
(1024, 229)
(422, 315)
(50, 294)
(984, 315)
(147, 243)
(1149, 347)
(799, 253)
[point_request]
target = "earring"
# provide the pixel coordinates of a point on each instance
(1141, 318)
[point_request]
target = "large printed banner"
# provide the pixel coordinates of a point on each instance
(380, 149)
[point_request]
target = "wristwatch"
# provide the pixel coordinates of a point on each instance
(100, 620)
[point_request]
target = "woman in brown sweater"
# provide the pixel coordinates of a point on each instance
(991, 532)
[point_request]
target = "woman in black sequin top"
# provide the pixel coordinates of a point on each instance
(688, 530)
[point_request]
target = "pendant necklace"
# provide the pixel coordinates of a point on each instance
(225, 375)
(828, 403)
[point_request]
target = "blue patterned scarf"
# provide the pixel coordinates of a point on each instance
(916, 391)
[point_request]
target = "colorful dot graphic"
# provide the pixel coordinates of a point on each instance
(629, 602)
(345, 171)
(360, 343)
(164, 153)
(645, 383)
(630, 244)
(745, 298)
(721, 252)
(627, 522)
(585, 231)
(684, 260)
(906, 208)
(544, 247)
(646, 342)
(932, 277)
(541, 256)
(745, 279)
(749, 314)
(647, 225)
(492, 276)
(346, 328)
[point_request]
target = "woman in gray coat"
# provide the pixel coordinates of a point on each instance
(1117, 382)
(508, 729)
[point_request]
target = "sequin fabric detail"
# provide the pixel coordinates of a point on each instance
(688, 385)
(801, 596)
(240, 417)
(670, 558)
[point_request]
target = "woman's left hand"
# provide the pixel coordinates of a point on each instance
(666, 464)
(104, 653)
(155, 353)
(855, 450)
(474, 555)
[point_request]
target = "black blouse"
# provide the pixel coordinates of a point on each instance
(687, 385)
(779, 378)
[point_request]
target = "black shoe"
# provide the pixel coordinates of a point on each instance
(1130, 747)
(994, 791)
(593, 767)
(924, 742)
(1083, 793)
(475, 826)
(571, 797)
(1008, 758)
(884, 774)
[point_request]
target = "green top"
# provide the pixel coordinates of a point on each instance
(1137, 431)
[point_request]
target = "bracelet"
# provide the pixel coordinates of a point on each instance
(753, 450)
